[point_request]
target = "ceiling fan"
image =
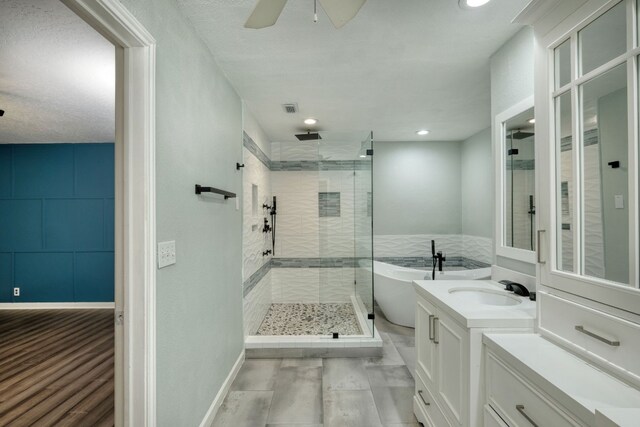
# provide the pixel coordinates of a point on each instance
(266, 12)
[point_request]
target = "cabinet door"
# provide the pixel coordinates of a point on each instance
(425, 348)
(491, 419)
(452, 346)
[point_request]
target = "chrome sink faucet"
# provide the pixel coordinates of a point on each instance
(437, 258)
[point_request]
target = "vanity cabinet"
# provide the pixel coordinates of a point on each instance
(530, 381)
(517, 402)
(442, 364)
(449, 380)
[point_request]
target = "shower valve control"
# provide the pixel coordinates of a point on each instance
(267, 227)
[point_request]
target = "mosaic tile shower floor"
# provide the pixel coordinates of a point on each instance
(310, 319)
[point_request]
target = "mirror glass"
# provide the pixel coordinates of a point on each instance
(519, 189)
(605, 177)
(563, 64)
(565, 188)
(604, 39)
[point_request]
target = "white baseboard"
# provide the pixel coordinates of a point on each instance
(222, 393)
(55, 305)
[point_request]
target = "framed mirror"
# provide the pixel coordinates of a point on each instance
(514, 154)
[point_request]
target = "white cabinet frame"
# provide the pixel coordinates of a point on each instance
(624, 297)
(499, 158)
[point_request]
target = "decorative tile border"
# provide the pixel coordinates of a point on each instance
(255, 278)
(457, 262)
(250, 145)
(302, 165)
(336, 262)
(522, 165)
(322, 165)
(346, 262)
(591, 137)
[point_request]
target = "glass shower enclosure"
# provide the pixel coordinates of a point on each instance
(321, 271)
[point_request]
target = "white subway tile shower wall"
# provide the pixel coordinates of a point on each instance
(254, 240)
(256, 304)
(257, 300)
(301, 232)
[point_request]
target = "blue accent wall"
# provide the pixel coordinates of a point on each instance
(57, 222)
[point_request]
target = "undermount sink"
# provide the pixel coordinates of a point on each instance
(484, 296)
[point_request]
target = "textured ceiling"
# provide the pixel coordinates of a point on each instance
(399, 66)
(57, 75)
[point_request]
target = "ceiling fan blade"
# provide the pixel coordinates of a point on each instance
(341, 11)
(265, 13)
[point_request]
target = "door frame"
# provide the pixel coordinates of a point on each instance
(135, 208)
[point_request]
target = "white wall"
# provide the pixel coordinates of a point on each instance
(417, 188)
(433, 190)
(512, 68)
(199, 299)
(477, 185)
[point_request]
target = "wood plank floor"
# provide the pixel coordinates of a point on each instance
(56, 368)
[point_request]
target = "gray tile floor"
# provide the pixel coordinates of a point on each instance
(349, 392)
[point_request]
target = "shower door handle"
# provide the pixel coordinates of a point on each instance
(431, 334)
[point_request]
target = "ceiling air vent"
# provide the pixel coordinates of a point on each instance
(290, 108)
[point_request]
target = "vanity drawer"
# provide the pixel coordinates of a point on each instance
(427, 405)
(517, 402)
(613, 340)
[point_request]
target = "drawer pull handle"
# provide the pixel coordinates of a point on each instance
(436, 336)
(520, 409)
(539, 247)
(581, 328)
(422, 398)
(431, 336)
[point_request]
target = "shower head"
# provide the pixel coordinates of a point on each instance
(309, 136)
(521, 135)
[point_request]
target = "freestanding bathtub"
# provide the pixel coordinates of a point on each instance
(394, 288)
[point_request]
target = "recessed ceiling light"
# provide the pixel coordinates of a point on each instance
(423, 132)
(310, 121)
(472, 4)
(532, 121)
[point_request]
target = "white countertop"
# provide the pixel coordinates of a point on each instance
(628, 417)
(477, 315)
(574, 383)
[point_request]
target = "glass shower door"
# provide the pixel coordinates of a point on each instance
(345, 232)
(363, 230)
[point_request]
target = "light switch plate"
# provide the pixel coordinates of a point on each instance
(619, 201)
(166, 253)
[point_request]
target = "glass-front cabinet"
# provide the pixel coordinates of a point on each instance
(588, 229)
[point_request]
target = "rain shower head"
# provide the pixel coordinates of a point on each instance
(309, 136)
(521, 135)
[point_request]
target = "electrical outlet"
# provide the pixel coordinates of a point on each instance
(166, 253)
(16, 292)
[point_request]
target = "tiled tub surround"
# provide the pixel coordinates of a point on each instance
(455, 246)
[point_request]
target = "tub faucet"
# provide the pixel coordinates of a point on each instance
(437, 259)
